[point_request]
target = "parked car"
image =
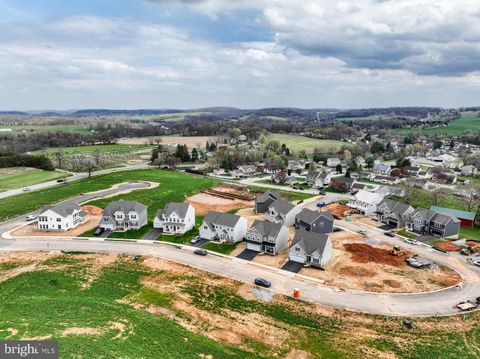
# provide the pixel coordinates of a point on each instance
(362, 232)
(263, 282)
(195, 240)
(321, 204)
(476, 263)
(60, 180)
(98, 231)
(389, 234)
(411, 241)
(27, 189)
(31, 217)
(322, 193)
(200, 252)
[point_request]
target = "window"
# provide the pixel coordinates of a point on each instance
(59, 219)
(297, 249)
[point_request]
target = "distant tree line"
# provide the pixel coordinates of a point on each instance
(22, 160)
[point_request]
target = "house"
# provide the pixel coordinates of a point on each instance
(245, 171)
(360, 161)
(175, 218)
(281, 211)
(467, 219)
(358, 186)
(264, 200)
(242, 138)
(387, 179)
(450, 161)
(427, 222)
(60, 217)
(411, 171)
(314, 221)
(468, 170)
(393, 213)
(386, 191)
(294, 165)
(365, 202)
(318, 179)
(333, 162)
(267, 237)
(223, 227)
(311, 249)
(123, 216)
(424, 174)
(382, 168)
(343, 183)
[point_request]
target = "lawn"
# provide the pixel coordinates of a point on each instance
(115, 148)
(17, 177)
(174, 186)
(223, 248)
(297, 143)
(470, 233)
(467, 121)
(267, 181)
(126, 308)
(290, 195)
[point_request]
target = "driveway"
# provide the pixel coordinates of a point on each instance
(153, 234)
(247, 254)
(292, 266)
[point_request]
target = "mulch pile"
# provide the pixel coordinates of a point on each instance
(364, 253)
(447, 246)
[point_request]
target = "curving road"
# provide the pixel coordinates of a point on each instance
(440, 302)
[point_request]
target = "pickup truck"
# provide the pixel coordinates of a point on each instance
(467, 306)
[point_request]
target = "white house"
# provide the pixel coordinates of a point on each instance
(311, 249)
(223, 227)
(123, 216)
(281, 211)
(175, 218)
(382, 168)
(333, 162)
(61, 217)
(267, 237)
(365, 202)
(468, 170)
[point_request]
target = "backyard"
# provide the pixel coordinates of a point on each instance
(17, 177)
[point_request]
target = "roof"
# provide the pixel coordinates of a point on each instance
(394, 206)
(454, 213)
(308, 216)
(64, 209)
(368, 197)
(223, 219)
(424, 213)
(381, 167)
(268, 195)
(310, 242)
(267, 228)
(282, 206)
(179, 208)
(124, 206)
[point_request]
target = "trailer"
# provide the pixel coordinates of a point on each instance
(467, 306)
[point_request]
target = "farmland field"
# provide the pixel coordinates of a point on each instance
(113, 306)
(298, 143)
(118, 148)
(17, 177)
(32, 129)
(468, 121)
(190, 141)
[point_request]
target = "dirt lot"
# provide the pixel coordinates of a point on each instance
(191, 141)
(95, 213)
(203, 203)
(337, 209)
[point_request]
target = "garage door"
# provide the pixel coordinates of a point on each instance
(254, 247)
(296, 258)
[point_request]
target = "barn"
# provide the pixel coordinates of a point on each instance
(467, 219)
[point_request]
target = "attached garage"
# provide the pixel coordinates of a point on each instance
(296, 257)
(254, 246)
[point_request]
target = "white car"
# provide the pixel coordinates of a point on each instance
(26, 189)
(476, 263)
(31, 217)
(362, 232)
(411, 241)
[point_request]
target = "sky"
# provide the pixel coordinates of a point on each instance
(127, 54)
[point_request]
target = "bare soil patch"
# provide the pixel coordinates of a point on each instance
(337, 209)
(357, 271)
(364, 253)
(447, 246)
(203, 202)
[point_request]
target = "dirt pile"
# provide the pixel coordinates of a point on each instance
(92, 210)
(447, 246)
(364, 253)
(337, 209)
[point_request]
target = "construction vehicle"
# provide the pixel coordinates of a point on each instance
(466, 251)
(397, 251)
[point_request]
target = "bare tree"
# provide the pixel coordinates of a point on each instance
(59, 159)
(438, 194)
(472, 197)
(97, 156)
(88, 165)
(409, 191)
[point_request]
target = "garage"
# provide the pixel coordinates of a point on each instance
(254, 246)
(296, 257)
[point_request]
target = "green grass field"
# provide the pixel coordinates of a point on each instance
(118, 148)
(174, 186)
(364, 118)
(32, 129)
(468, 121)
(99, 306)
(297, 143)
(17, 177)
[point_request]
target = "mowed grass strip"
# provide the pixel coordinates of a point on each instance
(174, 186)
(17, 177)
(467, 121)
(297, 143)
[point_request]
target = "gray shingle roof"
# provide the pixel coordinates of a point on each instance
(179, 208)
(310, 242)
(267, 228)
(282, 206)
(123, 206)
(309, 216)
(63, 209)
(222, 219)
(266, 196)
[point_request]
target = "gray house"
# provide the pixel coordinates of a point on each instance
(311, 249)
(123, 216)
(281, 211)
(263, 201)
(314, 221)
(267, 237)
(425, 221)
(393, 213)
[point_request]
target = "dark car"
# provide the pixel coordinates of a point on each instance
(200, 252)
(60, 180)
(322, 193)
(262, 282)
(389, 234)
(98, 231)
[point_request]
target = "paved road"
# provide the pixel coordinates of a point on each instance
(74, 177)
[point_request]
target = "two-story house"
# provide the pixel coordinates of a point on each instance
(318, 179)
(427, 222)
(264, 200)
(175, 218)
(281, 211)
(311, 249)
(123, 216)
(267, 237)
(382, 168)
(60, 217)
(393, 213)
(333, 162)
(365, 202)
(223, 227)
(314, 221)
